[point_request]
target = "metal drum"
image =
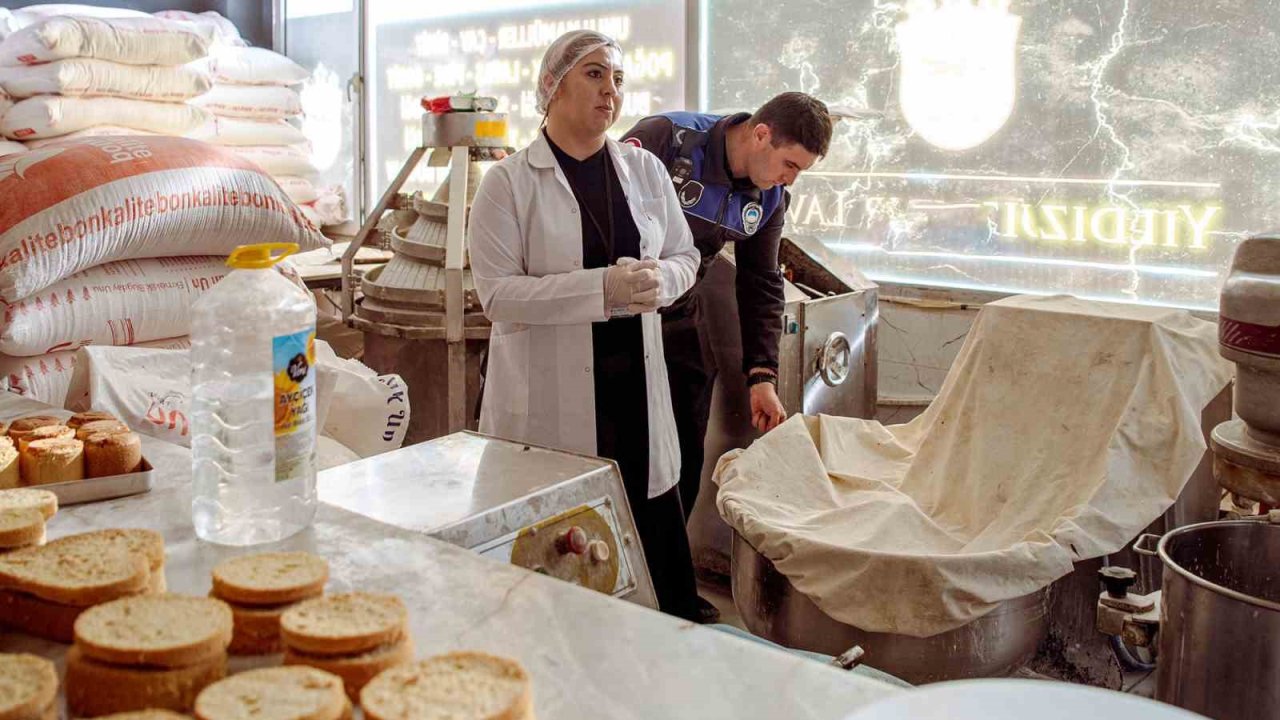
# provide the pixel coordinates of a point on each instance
(1220, 620)
(992, 646)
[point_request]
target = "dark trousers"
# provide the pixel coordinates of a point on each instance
(622, 435)
(691, 373)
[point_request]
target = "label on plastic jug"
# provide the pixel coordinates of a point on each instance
(294, 359)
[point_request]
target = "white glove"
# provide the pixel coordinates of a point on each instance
(632, 287)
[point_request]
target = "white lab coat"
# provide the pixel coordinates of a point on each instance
(526, 256)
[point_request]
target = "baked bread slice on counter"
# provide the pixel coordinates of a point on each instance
(357, 671)
(44, 500)
(167, 631)
(76, 574)
(21, 527)
(270, 578)
(456, 686)
(283, 693)
(344, 624)
(96, 688)
(28, 687)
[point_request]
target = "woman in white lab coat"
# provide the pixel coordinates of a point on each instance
(575, 242)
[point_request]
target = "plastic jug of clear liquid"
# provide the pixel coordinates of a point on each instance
(253, 442)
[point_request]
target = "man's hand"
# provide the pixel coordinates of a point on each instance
(767, 412)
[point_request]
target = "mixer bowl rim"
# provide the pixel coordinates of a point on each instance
(1162, 549)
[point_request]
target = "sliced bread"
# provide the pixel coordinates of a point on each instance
(344, 624)
(270, 578)
(169, 631)
(357, 670)
(282, 693)
(147, 543)
(257, 629)
(457, 686)
(10, 465)
(146, 715)
(94, 688)
(30, 615)
(80, 575)
(44, 500)
(21, 527)
(19, 428)
(28, 686)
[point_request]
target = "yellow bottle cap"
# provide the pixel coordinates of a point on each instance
(258, 257)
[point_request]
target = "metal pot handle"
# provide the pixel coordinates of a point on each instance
(834, 358)
(1140, 546)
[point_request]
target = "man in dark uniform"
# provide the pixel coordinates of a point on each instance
(731, 173)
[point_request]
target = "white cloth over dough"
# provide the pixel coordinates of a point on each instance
(1063, 429)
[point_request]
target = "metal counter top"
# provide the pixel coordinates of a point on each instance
(590, 656)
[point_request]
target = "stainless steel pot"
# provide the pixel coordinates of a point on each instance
(992, 646)
(1220, 620)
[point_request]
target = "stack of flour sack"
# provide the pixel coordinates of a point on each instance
(109, 240)
(91, 72)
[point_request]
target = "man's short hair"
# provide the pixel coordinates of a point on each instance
(795, 117)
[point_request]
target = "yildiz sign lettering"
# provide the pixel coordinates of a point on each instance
(1157, 241)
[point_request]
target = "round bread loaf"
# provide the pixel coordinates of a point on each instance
(109, 454)
(18, 429)
(46, 462)
(80, 419)
(101, 426)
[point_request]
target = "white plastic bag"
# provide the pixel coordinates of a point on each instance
(240, 131)
(254, 66)
(47, 116)
(47, 378)
(367, 412)
(259, 102)
(119, 303)
(131, 40)
(86, 76)
(75, 205)
(279, 159)
(329, 208)
(151, 392)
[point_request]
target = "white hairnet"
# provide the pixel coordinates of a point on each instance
(567, 51)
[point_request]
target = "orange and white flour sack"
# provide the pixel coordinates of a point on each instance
(132, 41)
(119, 303)
(47, 378)
(72, 206)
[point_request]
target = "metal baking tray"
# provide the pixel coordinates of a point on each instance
(75, 492)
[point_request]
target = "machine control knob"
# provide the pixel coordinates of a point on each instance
(599, 551)
(1117, 580)
(573, 540)
(835, 359)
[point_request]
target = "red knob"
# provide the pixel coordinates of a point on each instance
(573, 540)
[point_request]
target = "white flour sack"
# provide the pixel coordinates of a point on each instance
(241, 131)
(9, 147)
(75, 205)
(46, 116)
(47, 378)
(279, 160)
(85, 76)
(119, 303)
(131, 40)
(254, 66)
(93, 132)
(210, 23)
(299, 190)
(35, 13)
(263, 102)
(6, 101)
